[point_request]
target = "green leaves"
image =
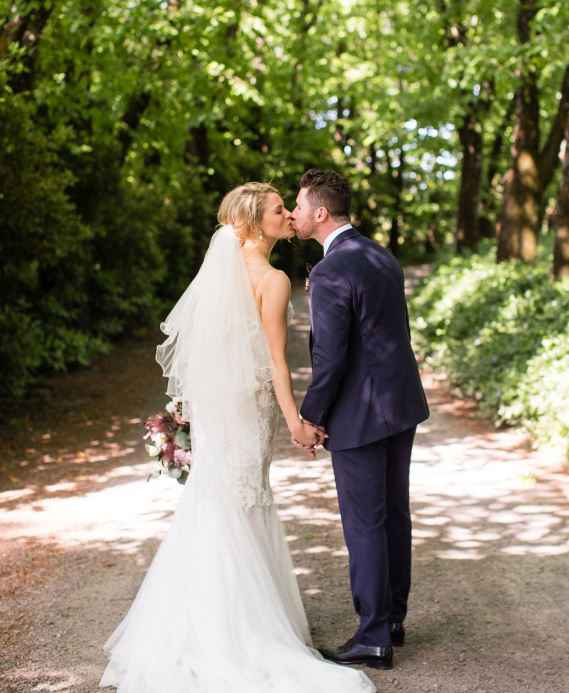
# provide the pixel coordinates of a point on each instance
(501, 333)
(133, 119)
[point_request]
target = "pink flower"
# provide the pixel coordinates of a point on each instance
(168, 436)
(168, 451)
(182, 457)
(156, 424)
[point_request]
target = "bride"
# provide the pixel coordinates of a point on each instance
(219, 610)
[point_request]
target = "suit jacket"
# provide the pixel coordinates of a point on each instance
(365, 381)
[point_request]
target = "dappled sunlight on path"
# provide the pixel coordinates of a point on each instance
(491, 537)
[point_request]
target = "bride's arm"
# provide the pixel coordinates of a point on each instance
(274, 305)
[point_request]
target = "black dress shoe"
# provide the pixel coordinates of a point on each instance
(397, 634)
(368, 655)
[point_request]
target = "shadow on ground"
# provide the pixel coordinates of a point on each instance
(491, 541)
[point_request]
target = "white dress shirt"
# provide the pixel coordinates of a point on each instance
(328, 241)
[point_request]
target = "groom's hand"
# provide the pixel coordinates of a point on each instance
(320, 430)
(307, 436)
(319, 433)
(304, 435)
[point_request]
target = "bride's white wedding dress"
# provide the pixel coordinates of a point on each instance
(219, 610)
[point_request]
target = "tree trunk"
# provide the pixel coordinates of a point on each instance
(396, 180)
(467, 225)
(487, 223)
(132, 117)
(519, 219)
(549, 157)
(561, 249)
(394, 233)
(467, 230)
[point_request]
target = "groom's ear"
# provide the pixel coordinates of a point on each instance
(321, 214)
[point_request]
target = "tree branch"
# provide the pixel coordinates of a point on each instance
(549, 155)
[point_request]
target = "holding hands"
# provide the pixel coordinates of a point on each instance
(306, 435)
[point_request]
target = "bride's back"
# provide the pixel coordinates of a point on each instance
(260, 273)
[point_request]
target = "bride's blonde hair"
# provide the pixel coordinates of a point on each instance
(243, 207)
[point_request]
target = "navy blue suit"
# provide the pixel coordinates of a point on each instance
(367, 394)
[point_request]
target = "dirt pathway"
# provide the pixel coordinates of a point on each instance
(79, 526)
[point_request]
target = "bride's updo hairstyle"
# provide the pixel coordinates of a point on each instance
(243, 207)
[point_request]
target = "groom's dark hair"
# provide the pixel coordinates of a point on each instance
(328, 189)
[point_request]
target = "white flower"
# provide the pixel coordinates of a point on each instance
(158, 439)
(171, 407)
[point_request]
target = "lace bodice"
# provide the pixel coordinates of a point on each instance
(253, 484)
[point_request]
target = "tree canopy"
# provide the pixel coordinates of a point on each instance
(122, 124)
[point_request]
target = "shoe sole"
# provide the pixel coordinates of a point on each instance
(374, 664)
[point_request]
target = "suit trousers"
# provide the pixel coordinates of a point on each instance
(373, 495)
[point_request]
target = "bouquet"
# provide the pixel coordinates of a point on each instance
(168, 442)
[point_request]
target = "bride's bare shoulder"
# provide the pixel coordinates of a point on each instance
(275, 285)
(277, 280)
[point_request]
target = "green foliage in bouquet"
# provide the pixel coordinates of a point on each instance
(501, 332)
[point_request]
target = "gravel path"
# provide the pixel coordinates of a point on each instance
(79, 526)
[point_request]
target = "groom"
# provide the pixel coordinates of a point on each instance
(366, 394)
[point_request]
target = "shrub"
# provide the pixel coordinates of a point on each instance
(43, 242)
(501, 333)
(69, 285)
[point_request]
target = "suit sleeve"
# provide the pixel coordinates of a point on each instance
(331, 307)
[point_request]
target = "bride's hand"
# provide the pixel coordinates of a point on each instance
(307, 436)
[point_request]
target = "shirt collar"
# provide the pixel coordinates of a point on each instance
(332, 236)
